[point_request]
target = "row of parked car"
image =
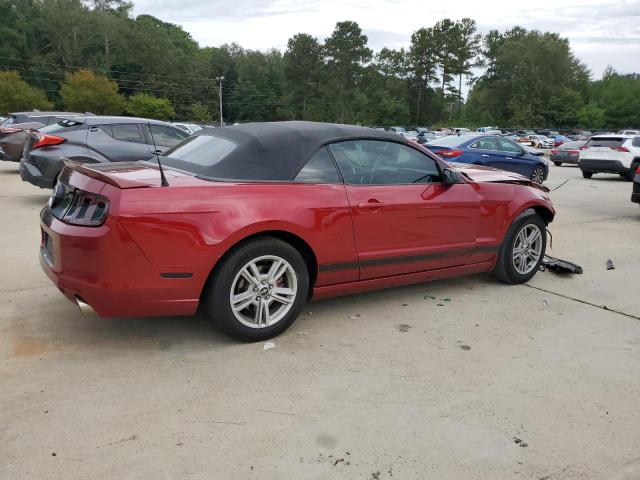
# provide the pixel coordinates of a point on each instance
(41, 141)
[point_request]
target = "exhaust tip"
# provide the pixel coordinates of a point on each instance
(84, 307)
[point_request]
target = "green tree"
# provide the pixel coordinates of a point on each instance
(199, 113)
(591, 116)
(16, 94)
(465, 48)
(423, 63)
(148, 106)
(303, 61)
(346, 52)
(84, 91)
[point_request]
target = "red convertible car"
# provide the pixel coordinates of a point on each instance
(255, 220)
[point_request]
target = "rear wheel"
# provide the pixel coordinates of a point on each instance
(522, 250)
(632, 172)
(258, 290)
(586, 174)
(537, 175)
(557, 164)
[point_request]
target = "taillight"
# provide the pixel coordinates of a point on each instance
(638, 169)
(573, 152)
(620, 149)
(47, 140)
(87, 209)
(554, 152)
(450, 153)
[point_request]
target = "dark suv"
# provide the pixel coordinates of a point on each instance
(94, 139)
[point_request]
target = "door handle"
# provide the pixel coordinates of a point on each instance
(371, 205)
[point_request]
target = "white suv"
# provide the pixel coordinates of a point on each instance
(610, 154)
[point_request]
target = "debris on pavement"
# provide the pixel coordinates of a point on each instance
(610, 265)
(403, 327)
(357, 315)
(465, 347)
(520, 443)
(560, 266)
(268, 345)
(545, 303)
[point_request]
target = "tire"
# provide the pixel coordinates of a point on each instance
(506, 270)
(537, 175)
(630, 175)
(587, 174)
(557, 164)
(247, 323)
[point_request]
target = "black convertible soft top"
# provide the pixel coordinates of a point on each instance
(270, 150)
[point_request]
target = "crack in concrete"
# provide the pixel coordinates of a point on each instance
(602, 307)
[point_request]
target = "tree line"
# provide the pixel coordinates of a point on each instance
(96, 56)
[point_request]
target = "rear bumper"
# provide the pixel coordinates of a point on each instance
(32, 174)
(564, 159)
(602, 166)
(103, 268)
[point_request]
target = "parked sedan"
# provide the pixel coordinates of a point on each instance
(492, 151)
(94, 139)
(568, 152)
(365, 209)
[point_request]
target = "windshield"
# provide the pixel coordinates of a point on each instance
(448, 141)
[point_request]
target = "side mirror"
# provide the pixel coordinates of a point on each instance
(451, 177)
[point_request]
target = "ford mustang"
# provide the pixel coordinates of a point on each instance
(249, 222)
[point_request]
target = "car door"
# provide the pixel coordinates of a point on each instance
(405, 219)
(485, 151)
(117, 142)
(512, 157)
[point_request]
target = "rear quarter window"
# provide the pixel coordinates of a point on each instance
(605, 142)
(319, 169)
(636, 142)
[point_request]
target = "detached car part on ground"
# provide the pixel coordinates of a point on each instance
(492, 151)
(257, 219)
(95, 139)
(610, 154)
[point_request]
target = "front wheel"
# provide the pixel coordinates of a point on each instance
(557, 164)
(522, 250)
(258, 290)
(537, 175)
(587, 174)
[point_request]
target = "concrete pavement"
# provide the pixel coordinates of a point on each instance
(464, 378)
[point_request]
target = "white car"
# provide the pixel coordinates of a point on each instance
(610, 154)
(489, 130)
(629, 132)
(190, 128)
(540, 141)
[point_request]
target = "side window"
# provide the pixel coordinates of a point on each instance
(166, 136)
(486, 144)
(126, 132)
(379, 162)
(636, 142)
(319, 169)
(507, 145)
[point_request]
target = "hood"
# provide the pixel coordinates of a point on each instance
(482, 174)
(126, 174)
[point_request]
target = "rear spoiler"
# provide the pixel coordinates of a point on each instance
(115, 180)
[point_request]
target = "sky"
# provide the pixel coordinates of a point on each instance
(601, 32)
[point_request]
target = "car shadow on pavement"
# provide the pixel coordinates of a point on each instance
(9, 172)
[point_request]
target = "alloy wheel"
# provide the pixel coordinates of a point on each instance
(527, 249)
(537, 175)
(263, 291)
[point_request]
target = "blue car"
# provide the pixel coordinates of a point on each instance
(492, 151)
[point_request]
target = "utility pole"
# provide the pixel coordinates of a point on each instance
(220, 79)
